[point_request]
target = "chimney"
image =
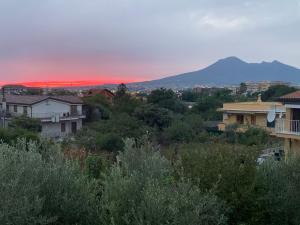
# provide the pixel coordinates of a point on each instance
(259, 98)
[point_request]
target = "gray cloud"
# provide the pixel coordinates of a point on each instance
(146, 38)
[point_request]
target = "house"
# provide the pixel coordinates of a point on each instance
(288, 128)
(103, 92)
(245, 114)
(59, 115)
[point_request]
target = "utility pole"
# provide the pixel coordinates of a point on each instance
(3, 107)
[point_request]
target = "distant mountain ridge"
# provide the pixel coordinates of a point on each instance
(229, 71)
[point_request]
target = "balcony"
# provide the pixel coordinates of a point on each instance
(289, 127)
(56, 117)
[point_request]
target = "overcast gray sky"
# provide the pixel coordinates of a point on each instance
(42, 40)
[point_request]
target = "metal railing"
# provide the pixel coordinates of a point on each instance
(284, 126)
(52, 114)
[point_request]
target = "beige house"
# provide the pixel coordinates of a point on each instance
(288, 128)
(246, 114)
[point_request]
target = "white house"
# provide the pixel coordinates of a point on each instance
(59, 115)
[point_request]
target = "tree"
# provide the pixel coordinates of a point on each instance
(228, 170)
(178, 132)
(276, 91)
(121, 90)
(23, 122)
(166, 98)
(141, 190)
(242, 88)
(153, 116)
(109, 142)
(43, 188)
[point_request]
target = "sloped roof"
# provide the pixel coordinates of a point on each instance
(293, 95)
(251, 107)
(33, 99)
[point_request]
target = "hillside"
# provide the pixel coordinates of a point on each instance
(229, 71)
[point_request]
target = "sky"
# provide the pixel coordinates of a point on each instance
(112, 41)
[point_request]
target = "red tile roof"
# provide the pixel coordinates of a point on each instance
(293, 95)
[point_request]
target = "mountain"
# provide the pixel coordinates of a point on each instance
(229, 71)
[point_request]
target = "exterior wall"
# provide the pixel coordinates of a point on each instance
(20, 109)
(51, 107)
(53, 130)
(291, 146)
(260, 121)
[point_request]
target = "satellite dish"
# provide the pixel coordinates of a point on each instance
(271, 116)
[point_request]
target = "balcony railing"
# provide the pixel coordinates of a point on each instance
(284, 126)
(55, 115)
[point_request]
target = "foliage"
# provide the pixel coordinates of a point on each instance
(254, 136)
(280, 183)
(141, 190)
(229, 170)
(96, 107)
(109, 142)
(166, 98)
(276, 91)
(178, 132)
(23, 122)
(36, 190)
(95, 166)
(10, 135)
(154, 116)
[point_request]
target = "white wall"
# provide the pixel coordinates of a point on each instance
(52, 107)
(53, 130)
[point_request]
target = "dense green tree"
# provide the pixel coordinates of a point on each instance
(229, 170)
(39, 190)
(178, 132)
(166, 98)
(154, 116)
(23, 122)
(276, 91)
(109, 142)
(140, 189)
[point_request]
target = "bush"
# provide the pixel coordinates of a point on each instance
(279, 185)
(178, 132)
(229, 170)
(141, 190)
(95, 166)
(36, 189)
(110, 142)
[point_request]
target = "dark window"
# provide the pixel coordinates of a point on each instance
(25, 110)
(271, 124)
(7, 108)
(240, 119)
(253, 120)
(74, 127)
(15, 108)
(73, 109)
(63, 127)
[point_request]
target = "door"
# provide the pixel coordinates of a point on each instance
(74, 127)
(295, 123)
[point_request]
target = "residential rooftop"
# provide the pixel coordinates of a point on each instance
(33, 99)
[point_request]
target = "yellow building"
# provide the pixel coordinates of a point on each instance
(246, 114)
(288, 128)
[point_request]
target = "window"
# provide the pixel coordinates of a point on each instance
(73, 109)
(25, 110)
(253, 120)
(7, 108)
(240, 119)
(15, 108)
(63, 127)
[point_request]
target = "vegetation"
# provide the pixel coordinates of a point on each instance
(147, 162)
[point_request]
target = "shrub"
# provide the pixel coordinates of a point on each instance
(141, 190)
(95, 166)
(110, 142)
(43, 189)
